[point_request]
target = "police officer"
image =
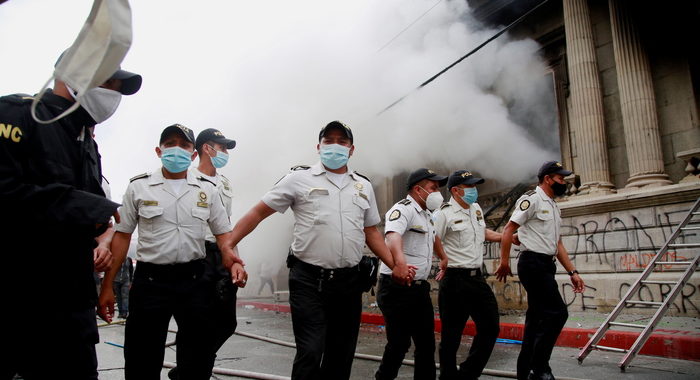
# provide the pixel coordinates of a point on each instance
(538, 222)
(464, 293)
(335, 214)
(171, 207)
(407, 307)
(50, 177)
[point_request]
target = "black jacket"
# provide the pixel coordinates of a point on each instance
(51, 200)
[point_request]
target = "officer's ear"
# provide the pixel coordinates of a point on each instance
(352, 149)
(158, 151)
(318, 148)
(194, 155)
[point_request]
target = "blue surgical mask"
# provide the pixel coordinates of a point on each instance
(220, 160)
(470, 195)
(334, 156)
(176, 159)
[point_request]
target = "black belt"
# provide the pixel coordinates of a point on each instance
(387, 277)
(541, 256)
(168, 272)
(468, 272)
(323, 273)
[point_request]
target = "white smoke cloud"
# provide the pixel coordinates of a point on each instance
(271, 74)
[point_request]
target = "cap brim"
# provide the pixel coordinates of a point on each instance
(131, 82)
(563, 172)
(230, 144)
(440, 179)
(474, 181)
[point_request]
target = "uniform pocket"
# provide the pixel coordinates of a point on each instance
(317, 197)
(150, 212)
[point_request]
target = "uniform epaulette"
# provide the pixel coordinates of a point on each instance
(202, 178)
(445, 205)
(361, 175)
(300, 167)
(17, 99)
(405, 202)
(530, 192)
(144, 175)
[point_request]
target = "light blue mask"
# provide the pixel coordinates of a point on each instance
(176, 159)
(334, 156)
(220, 160)
(470, 195)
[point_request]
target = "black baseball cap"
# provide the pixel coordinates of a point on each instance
(211, 134)
(189, 135)
(422, 174)
(552, 167)
(336, 125)
(131, 82)
(463, 177)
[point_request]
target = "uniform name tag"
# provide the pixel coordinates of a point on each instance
(363, 196)
(458, 221)
(150, 203)
(203, 204)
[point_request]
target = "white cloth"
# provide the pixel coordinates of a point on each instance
(540, 222)
(171, 227)
(223, 186)
(462, 232)
(329, 220)
(415, 225)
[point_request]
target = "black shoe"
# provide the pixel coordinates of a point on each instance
(540, 376)
(172, 374)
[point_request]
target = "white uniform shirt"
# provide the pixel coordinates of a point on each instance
(223, 186)
(417, 232)
(540, 222)
(171, 227)
(462, 232)
(329, 220)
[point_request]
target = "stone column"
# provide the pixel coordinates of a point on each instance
(637, 101)
(587, 119)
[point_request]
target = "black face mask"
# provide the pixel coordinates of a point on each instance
(559, 189)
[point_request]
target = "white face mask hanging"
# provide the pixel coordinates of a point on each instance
(96, 53)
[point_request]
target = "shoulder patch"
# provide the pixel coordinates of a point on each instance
(524, 205)
(445, 205)
(530, 192)
(394, 215)
(201, 178)
(405, 202)
(363, 176)
(144, 175)
(300, 167)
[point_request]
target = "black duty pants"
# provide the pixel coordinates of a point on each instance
(224, 313)
(326, 308)
(464, 293)
(408, 314)
(158, 293)
(546, 312)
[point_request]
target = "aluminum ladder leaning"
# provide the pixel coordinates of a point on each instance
(662, 306)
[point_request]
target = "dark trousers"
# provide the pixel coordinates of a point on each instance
(326, 308)
(546, 313)
(408, 314)
(224, 313)
(158, 293)
(25, 336)
(464, 293)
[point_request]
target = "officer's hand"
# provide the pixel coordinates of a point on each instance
(239, 276)
(503, 272)
(402, 274)
(105, 305)
(516, 241)
(102, 257)
(577, 281)
(228, 259)
(440, 275)
(117, 219)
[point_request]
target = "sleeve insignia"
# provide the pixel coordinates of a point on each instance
(524, 205)
(394, 215)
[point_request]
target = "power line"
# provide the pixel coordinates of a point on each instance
(409, 25)
(512, 24)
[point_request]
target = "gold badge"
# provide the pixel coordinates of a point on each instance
(478, 215)
(524, 205)
(150, 203)
(359, 186)
(202, 196)
(466, 174)
(394, 215)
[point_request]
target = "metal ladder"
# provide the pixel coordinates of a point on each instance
(663, 306)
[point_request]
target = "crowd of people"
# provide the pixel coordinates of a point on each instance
(188, 266)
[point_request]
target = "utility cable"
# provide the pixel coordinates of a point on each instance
(409, 25)
(512, 24)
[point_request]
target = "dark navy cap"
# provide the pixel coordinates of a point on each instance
(336, 125)
(422, 174)
(131, 82)
(189, 135)
(211, 134)
(463, 177)
(552, 167)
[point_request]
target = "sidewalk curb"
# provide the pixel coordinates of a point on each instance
(676, 344)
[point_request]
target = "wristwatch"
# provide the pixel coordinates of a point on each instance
(572, 272)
